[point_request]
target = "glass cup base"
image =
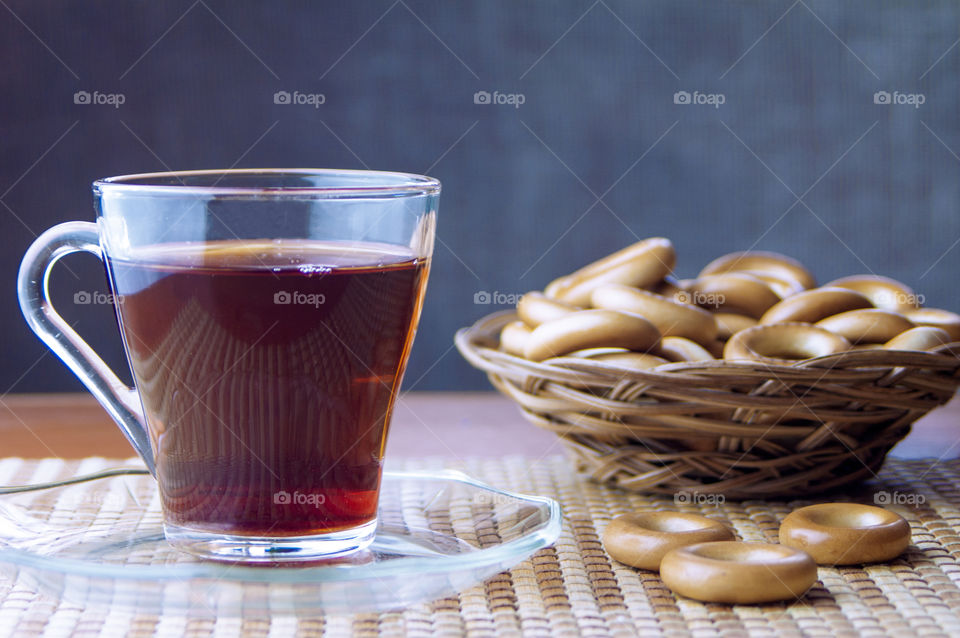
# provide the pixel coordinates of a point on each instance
(269, 549)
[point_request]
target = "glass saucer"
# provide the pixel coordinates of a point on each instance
(101, 543)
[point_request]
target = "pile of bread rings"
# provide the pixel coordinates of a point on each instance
(700, 558)
(629, 311)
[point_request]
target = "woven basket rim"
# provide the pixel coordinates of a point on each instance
(478, 344)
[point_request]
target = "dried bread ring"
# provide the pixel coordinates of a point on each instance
(617, 357)
(716, 348)
(919, 338)
(535, 308)
(591, 329)
(670, 317)
(730, 323)
(845, 533)
(681, 349)
(642, 539)
(669, 287)
(514, 337)
(762, 261)
(736, 572)
(642, 264)
(733, 292)
(883, 292)
(943, 319)
(868, 325)
(630, 360)
(784, 343)
(811, 306)
(781, 285)
(590, 353)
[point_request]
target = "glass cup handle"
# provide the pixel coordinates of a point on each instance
(119, 400)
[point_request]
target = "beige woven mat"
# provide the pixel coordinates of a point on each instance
(574, 588)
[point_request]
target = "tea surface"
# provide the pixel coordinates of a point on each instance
(267, 372)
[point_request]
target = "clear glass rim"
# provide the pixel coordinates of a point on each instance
(382, 183)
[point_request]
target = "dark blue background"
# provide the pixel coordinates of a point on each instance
(798, 159)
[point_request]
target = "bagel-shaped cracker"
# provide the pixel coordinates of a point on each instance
(733, 292)
(642, 539)
(669, 287)
(590, 353)
(716, 348)
(810, 306)
(680, 349)
(783, 343)
(514, 337)
(591, 329)
(736, 572)
(536, 308)
(684, 285)
(846, 533)
(943, 319)
(781, 285)
(919, 338)
(883, 292)
(643, 264)
(630, 360)
(730, 323)
(762, 261)
(670, 317)
(868, 325)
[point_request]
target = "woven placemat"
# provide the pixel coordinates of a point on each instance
(574, 588)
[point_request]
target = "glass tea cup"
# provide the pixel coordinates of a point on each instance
(267, 317)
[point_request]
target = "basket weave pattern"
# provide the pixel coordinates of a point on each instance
(743, 429)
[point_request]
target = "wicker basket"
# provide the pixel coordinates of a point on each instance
(743, 429)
